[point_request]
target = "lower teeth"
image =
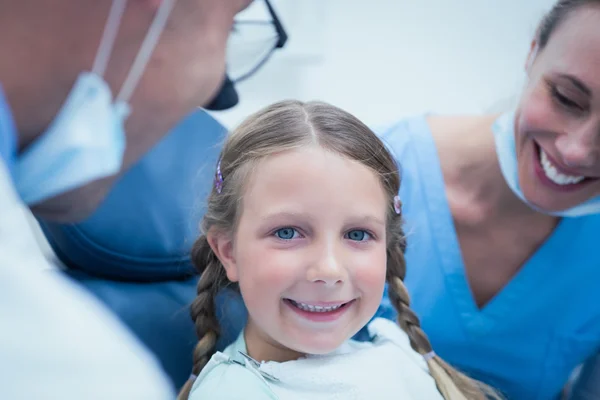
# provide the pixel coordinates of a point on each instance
(315, 309)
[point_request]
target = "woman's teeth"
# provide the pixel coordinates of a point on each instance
(553, 174)
(317, 309)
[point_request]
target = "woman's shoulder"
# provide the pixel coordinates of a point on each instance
(437, 124)
(225, 379)
(419, 130)
(423, 121)
(397, 135)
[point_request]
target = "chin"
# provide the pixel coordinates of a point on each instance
(552, 204)
(318, 344)
(544, 203)
(318, 348)
(74, 206)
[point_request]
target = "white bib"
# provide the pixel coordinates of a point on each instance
(385, 368)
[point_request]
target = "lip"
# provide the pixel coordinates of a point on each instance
(541, 175)
(322, 303)
(328, 316)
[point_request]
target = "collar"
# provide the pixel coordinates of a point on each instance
(239, 346)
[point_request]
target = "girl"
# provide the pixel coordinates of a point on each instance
(304, 221)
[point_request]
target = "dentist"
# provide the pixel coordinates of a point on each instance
(86, 88)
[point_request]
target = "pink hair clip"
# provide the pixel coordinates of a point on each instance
(397, 205)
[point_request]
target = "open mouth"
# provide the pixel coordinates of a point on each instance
(554, 176)
(314, 308)
(318, 312)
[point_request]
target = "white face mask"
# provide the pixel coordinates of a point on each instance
(86, 140)
(504, 136)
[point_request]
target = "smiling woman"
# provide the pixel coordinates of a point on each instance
(506, 227)
(557, 125)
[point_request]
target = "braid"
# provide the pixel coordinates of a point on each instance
(452, 384)
(212, 280)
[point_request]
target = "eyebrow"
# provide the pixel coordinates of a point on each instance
(293, 215)
(371, 219)
(285, 214)
(577, 83)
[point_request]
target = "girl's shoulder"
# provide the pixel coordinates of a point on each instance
(224, 378)
(384, 330)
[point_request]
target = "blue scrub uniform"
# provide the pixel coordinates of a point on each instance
(546, 321)
(8, 139)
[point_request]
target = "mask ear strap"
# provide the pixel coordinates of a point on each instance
(148, 45)
(108, 37)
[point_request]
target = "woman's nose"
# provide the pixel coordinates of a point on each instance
(580, 148)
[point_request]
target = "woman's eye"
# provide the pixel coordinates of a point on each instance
(564, 100)
(358, 235)
(286, 233)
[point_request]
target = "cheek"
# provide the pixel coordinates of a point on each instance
(207, 71)
(536, 114)
(370, 271)
(265, 270)
(188, 66)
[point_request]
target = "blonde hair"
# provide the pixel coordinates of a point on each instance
(285, 126)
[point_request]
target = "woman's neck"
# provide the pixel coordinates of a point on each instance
(474, 182)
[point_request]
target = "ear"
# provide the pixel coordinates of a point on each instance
(222, 245)
(533, 51)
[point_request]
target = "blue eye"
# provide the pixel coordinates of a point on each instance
(286, 233)
(358, 235)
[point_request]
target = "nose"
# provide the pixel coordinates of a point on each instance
(327, 266)
(580, 148)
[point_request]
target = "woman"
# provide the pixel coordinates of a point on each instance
(503, 218)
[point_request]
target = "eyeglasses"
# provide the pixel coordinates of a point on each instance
(252, 43)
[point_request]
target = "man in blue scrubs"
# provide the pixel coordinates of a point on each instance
(79, 79)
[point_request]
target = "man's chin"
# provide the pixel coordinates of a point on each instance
(73, 206)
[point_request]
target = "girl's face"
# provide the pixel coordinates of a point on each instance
(309, 252)
(557, 123)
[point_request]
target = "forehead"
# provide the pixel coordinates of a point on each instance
(311, 179)
(575, 45)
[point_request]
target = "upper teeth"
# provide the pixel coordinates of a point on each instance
(554, 175)
(311, 308)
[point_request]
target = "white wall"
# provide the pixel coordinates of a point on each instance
(383, 59)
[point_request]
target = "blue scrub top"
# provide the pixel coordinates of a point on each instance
(546, 321)
(8, 136)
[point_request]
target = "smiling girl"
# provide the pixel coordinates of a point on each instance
(304, 221)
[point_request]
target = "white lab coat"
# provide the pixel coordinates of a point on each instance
(56, 340)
